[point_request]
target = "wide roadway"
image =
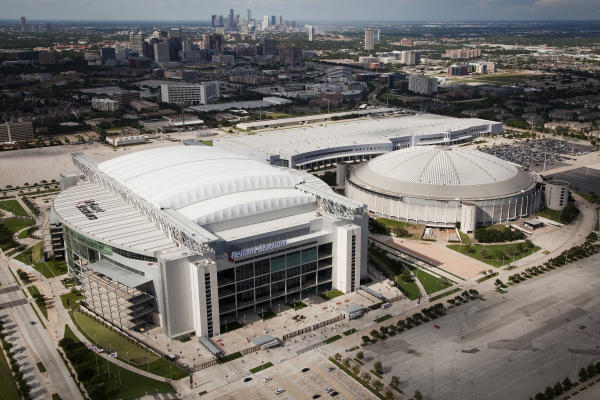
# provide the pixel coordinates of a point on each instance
(37, 338)
(509, 346)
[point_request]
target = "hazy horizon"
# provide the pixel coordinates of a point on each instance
(307, 10)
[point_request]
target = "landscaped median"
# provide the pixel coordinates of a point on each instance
(104, 380)
(496, 255)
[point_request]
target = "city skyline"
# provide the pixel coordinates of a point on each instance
(309, 10)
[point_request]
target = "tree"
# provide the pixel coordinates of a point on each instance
(558, 389)
(418, 395)
(549, 392)
(540, 396)
(366, 339)
(567, 384)
(378, 367)
(366, 377)
(389, 395)
(346, 362)
(337, 356)
(395, 381)
(591, 370)
(360, 355)
(583, 375)
(355, 370)
(378, 385)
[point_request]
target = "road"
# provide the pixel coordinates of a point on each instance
(37, 338)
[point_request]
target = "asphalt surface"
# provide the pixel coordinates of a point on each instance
(507, 347)
(37, 338)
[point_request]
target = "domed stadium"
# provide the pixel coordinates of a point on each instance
(441, 186)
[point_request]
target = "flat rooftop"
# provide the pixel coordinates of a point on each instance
(108, 218)
(292, 141)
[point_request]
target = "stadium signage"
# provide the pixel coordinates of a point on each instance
(233, 255)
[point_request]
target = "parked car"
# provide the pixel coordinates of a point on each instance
(305, 369)
(279, 391)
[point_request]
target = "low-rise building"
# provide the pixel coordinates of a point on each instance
(105, 104)
(189, 94)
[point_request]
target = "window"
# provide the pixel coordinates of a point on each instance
(293, 259)
(277, 263)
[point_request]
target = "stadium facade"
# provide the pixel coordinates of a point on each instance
(191, 238)
(313, 146)
(443, 186)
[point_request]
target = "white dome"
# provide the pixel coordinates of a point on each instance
(442, 173)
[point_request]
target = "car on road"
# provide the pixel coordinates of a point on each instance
(305, 369)
(316, 396)
(247, 379)
(330, 389)
(268, 378)
(436, 326)
(279, 391)
(333, 394)
(330, 369)
(386, 305)
(33, 322)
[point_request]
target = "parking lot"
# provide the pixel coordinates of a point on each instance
(297, 384)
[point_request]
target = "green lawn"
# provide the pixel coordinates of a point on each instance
(73, 297)
(494, 252)
(114, 382)
(207, 142)
(298, 305)
(331, 294)
(332, 339)
(14, 207)
(267, 314)
(33, 290)
(14, 225)
(506, 79)
(410, 289)
(231, 326)
(564, 217)
(51, 268)
(384, 263)
(449, 292)
(464, 237)
(31, 254)
(8, 387)
(25, 233)
(126, 350)
(261, 367)
(430, 283)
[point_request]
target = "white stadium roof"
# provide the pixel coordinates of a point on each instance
(299, 140)
(442, 173)
(204, 184)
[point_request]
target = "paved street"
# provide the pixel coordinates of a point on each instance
(37, 339)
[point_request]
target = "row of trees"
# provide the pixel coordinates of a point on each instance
(559, 388)
(23, 388)
(497, 233)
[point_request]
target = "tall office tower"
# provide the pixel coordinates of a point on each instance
(265, 21)
(230, 22)
(269, 46)
(136, 42)
(220, 20)
(280, 20)
(369, 39)
(23, 23)
(311, 33)
(161, 52)
(175, 33)
(249, 15)
(213, 20)
(377, 35)
(273, 20)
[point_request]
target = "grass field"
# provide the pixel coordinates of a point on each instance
(126, 350)
(410, 289)
(73, 297)
(331, 294)
(31, 255)
(51, 268)
(8, 387)
(261, 367)
(414, 231)
(497, 254)
(25, 233)
(33, 290)
(14, 207)
(464, 237)
(14, 225)
(430, 283)
(447, 293)
(118, 383)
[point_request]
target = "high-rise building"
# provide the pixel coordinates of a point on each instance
(377, 35)
(369, 39)
(213, 20)
(269, 47)
(23, 24)
(249, 15)
(273, 20)
(136, 42)
(265, 21)
(161, 52)
(230, 20)
(187, 94)
(280, 20)
(311, 33)
(175, 33)
(107, 53)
